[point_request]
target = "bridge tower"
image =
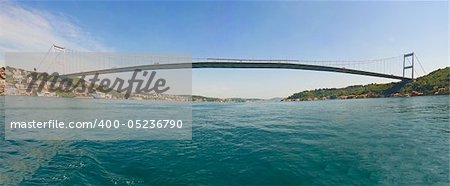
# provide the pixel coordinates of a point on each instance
(59, 57)
(408, 58)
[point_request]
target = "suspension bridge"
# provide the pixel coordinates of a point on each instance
(74, 63)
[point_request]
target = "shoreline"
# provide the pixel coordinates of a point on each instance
(174, 101)
(16, 82)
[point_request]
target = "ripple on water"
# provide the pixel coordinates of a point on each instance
(351, 142)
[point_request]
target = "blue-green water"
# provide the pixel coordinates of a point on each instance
(363, 142)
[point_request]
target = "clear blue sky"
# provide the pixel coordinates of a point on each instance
(297, 30)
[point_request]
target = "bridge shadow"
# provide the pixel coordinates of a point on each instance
(396, 87)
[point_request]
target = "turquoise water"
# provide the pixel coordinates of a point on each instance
(392, 141)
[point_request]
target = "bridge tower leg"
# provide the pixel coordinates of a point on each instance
(60, 57)
(408, 57)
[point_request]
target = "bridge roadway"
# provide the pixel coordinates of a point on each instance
(260, 65)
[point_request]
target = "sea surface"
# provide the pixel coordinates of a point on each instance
(389, 141)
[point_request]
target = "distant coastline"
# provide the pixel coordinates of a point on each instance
(14, 81)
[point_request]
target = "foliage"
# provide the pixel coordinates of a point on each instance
(437, 82)
(65, 94)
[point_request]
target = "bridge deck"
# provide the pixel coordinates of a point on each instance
(238, 65)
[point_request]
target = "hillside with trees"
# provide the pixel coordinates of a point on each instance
(435, 83)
